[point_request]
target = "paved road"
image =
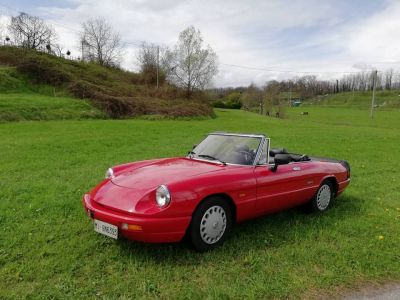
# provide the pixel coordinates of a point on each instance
(386, 292)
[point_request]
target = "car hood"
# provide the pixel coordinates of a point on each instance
(131, 191)
(163, 172)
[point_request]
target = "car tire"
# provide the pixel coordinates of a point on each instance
(323, 197)
(211, 224)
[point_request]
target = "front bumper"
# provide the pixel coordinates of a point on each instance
(153, 230)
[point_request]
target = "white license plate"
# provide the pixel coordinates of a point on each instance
(106, 229)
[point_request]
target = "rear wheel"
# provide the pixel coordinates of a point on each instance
(211, 224)
(323, 197)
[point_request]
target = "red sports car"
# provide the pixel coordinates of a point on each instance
(226, 179)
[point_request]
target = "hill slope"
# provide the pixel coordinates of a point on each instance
(20, 100)
(117, 93)
(360, 99)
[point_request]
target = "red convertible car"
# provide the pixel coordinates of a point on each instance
(226, 179)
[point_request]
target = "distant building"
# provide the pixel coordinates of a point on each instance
(296, 103)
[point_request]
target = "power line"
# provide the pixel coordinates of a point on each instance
(304, 72)
(50, 22)
(136, 44)
(264, 69)
(288, 71)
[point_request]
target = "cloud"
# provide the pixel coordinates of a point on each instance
(375, 40)
(278, 38)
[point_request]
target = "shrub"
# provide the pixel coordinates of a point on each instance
(42, 70)
(9, 81)
(227, 104)
(218, 104)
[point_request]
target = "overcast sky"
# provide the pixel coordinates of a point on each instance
(278, 39)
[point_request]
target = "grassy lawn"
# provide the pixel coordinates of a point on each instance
(48, 248)
(32, 106)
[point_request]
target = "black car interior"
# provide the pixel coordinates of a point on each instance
(292, 157)
(244, 155)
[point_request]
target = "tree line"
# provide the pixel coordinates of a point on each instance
(274, 96)
(190, 64)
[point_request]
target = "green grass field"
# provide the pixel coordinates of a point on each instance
(48, 248)
(32, 106)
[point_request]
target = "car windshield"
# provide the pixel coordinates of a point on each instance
(233, 149)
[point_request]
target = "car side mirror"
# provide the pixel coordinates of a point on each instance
(280, 159)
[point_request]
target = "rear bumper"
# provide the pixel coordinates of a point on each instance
(342, 185)
(154, 230)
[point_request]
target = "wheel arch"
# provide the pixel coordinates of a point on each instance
(332, 179)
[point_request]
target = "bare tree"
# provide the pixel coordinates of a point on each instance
(153, 62)
(31, 32)
(2, 34)
(272, 97)
(389, 79)
(191, 65)
(57, 49)
(100, 43)
(253, 98)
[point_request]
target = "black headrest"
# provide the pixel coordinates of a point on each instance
(273, 152)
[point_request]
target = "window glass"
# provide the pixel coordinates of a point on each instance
(232, 149)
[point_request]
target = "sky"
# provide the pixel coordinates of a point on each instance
(255, 40)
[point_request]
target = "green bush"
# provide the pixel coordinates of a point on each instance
(42, 70)
(9, 81)
(228, 104)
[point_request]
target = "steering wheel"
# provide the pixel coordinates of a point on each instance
(247, 155)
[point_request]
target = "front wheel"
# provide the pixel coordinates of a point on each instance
(211, 224)
(323, 197)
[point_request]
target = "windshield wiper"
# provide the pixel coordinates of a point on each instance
(212, 158)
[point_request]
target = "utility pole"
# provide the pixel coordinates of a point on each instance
(158, 63)
(82, 49)
(374, 78)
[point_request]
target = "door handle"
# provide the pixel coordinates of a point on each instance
(296, 169)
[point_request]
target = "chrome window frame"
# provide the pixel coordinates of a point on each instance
(266, 140)
(258, 152)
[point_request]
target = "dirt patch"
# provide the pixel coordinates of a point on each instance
(387, 291)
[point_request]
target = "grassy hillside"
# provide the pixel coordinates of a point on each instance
(117, 93)
(48, 248)
(29, 106)
(384, 99)
(22, 100)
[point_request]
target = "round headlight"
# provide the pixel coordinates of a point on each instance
(163, 196)
(109, 173)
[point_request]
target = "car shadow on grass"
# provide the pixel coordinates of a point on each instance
(267, 232)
